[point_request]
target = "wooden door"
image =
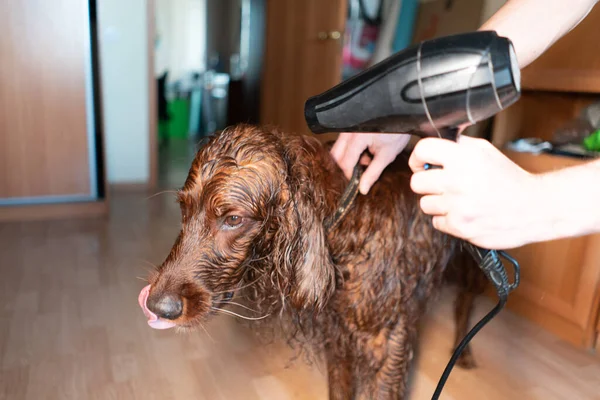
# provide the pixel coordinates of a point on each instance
(47, 142)
(304, 40)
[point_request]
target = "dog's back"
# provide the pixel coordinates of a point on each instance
(389, 249)
(394, 261)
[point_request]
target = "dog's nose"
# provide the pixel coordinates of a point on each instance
(167, 306)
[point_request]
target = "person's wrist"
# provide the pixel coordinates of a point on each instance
(543, 205)
(580, 195)
(561, 210)
(543, 212)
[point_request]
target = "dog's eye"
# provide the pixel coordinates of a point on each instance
(233, 221)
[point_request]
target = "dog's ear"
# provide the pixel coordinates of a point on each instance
(314, 270)
(301, 238)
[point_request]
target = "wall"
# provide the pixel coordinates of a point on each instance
(124, 75)
(490, 7)
(181, 37)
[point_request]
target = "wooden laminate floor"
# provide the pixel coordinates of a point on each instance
(70, 328)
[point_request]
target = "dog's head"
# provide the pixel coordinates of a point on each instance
(251, 218)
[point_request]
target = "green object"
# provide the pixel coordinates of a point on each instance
(592, 142)
(163, 129)
(178, 125)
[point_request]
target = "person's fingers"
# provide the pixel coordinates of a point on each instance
(440, 222)
(339, 147)
(402, 141)
(429, 182)
(459, 228)
(434, 205)
(351, 156)
(373, 171)
(433, 151)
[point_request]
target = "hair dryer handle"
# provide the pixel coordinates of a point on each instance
(492, 266)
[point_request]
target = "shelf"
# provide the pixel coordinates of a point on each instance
(538, 115)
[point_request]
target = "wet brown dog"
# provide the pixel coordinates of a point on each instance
(253, 209)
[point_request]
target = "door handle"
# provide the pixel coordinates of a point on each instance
(332, 35)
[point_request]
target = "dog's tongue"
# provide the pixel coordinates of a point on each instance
(153, 319)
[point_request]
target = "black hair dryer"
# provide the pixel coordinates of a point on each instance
(430, 89)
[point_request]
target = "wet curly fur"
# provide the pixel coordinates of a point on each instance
(252, 213)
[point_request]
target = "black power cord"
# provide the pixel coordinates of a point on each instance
(493, 268)
(462, 346)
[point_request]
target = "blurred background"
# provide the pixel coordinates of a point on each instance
(103, 104)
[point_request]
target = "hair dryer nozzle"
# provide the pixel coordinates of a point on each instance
(311, 117)
(425, 89)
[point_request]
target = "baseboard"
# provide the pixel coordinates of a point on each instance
(129, 187)
(21, 213)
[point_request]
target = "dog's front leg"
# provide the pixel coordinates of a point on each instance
(339, 370)
(392, 379)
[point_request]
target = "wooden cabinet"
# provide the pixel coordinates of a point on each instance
(572, 64)
(50, 147)
(560, 286)
(560, 279)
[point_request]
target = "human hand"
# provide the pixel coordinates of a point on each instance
(384, 146)
(479, 194)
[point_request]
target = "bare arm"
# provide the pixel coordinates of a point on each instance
(535, 25)
(552, 205)
(569, 201)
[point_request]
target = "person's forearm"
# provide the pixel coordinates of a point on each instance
(567, 202)
(535, 25)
